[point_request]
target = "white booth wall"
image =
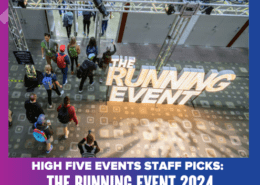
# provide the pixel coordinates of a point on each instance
(202, 30)
(34, 23)
(147, 28)
(217, 31)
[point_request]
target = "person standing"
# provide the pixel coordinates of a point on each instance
(33, 109)
(74, 51)
(86, 20)
(62, 62)
(66, 113)
(67, 22)
(49, 48)
(88, 66)
(91, 148)
(92, 48)
(106, 59)
(50, 83)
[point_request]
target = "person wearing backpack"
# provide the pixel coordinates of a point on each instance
(92, 48)
(91, 148)
(86, 20)
(106, 59)
(33, 109)
(43, 132)
(86, 70)
(50, 83)
(74, 51)
(62, 62)
(66, 113)
(49, 48)
(67, 22)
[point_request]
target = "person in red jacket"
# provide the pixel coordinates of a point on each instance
(66, 113)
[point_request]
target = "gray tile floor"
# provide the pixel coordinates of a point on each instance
(217, 125)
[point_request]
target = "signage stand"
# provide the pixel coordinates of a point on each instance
(23, 57)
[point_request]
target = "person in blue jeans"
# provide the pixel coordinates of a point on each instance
(92, 48)
(63, 2)
(63, 62)
(105, 21)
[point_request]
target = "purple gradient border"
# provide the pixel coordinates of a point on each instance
(236, 171)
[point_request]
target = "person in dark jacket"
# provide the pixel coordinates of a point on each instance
(90, 149)
(90, 66)
(106, 59)
(41, 125)
(33, 109)
(86, 20)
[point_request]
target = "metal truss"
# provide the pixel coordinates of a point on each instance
(175, 33)
(221, 7)
(15, 29)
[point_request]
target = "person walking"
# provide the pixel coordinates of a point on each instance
(49, 48)
(63, 62)
(66, 113)
(60, 5)
(105, 21)
(50, 83)
(43, 132)
(86, 20)
(67, 22)
(74, 51)
(33, 109)
(87, 68)
(106, 59)
(92, 48)
(91, 148)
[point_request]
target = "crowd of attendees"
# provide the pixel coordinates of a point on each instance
(67, 57)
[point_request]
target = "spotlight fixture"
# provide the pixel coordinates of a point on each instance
(208, 10)
(22, 3)
(170, 9)
(100, 6)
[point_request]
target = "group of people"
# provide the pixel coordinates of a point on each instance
(66, 113)
(51, 53)
(68, 18)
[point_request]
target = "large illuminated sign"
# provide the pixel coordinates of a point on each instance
(167, 86)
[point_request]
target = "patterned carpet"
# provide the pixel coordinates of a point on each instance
(216, 125)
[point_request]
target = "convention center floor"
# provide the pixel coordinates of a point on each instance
(215, 125)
